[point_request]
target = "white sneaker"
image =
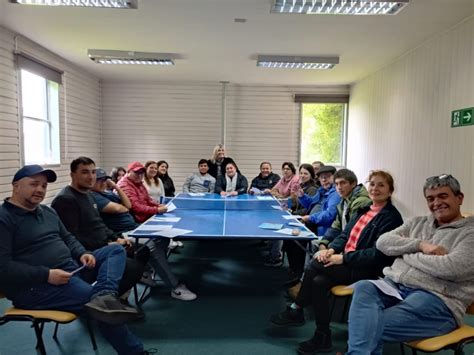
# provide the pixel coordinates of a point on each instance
(182, 293)
(173, 244)
(180, 244)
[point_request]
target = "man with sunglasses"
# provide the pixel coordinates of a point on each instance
(431, 280)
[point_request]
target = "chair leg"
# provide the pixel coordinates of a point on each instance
(413, 351)
(333, 304)
(402, 349)
(55, 334)
(91, 333)
(39, 337)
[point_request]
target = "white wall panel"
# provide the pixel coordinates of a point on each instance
(400, 118)
(80, 112)
(181, 123)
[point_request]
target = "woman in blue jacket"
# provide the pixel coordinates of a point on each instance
(352, 256)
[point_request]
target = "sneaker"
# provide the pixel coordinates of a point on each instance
(289, 317)
(147, 279)
(173, 244)
(140, 313)
(180, 244)
(274, 262)
(182, 293)
(320, 343)
(293, 291)
(108, 309)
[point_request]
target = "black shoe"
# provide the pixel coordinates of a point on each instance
(289, 317)
(108, 309)
(319, 343)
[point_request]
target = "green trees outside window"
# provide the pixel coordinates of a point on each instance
(322, 133)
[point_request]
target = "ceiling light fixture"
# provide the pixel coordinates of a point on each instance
(117, 4)
(129, 57)
(296, 62)
(339, 7)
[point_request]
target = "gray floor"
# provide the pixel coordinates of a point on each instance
(236, 296)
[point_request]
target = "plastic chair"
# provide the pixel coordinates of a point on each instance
(38, 318)
(341, 291)
(456, 340)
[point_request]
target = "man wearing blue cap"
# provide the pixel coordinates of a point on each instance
(40, 262)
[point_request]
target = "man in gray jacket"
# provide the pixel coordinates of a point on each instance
(433, 276)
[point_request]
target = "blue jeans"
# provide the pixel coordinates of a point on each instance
(375, 318)
(110, 264)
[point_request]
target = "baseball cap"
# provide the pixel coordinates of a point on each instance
(327, 169)
(135, 166)
(30, 170)
(101, 174)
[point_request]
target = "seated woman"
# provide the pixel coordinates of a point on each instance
(231, 183)
(218, 161)
(117, 173)
(286, 188)
(294, 252)
(152, 182)
(168, 184)
(352, 256)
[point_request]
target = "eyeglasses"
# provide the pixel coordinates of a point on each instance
(440, 177)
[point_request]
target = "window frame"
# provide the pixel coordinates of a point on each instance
(52, 120)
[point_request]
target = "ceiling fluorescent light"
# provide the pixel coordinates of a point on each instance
(117, 4)
(130, 57)
(339, 7)
(296, 62)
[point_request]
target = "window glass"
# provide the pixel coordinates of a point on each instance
(40, 122)
(323, 133)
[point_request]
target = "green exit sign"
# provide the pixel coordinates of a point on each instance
(463, 117)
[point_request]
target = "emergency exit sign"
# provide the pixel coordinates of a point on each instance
(463, 117)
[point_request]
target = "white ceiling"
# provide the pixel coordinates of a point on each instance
(215, 48)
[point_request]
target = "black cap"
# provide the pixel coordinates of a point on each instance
(30, 170)
(327, 169)
(101, 174)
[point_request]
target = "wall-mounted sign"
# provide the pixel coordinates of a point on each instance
(463, 117)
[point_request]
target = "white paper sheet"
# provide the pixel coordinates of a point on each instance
(290, 216)
(264, 198)
(173, 232)
(196, 194)
(385, 287)
(166, 219)
(155, 227)
(277, 208)
(170, 207)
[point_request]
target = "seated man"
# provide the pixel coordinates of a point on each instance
(78, 211)
(433, 274)
(266, 179)
(200, 182)
(144, 207)
(38, 257)
(322, 207)
(353, 197)
(113, 208)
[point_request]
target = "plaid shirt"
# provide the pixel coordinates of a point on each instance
(359, 226)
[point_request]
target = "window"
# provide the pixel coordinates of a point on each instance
(323, 138)
(40, 113)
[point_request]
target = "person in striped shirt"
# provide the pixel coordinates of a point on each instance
(350, 257)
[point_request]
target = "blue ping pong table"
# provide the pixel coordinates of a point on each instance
(214, 217)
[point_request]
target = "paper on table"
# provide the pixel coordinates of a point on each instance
(172, 232)
(290, 216)
(264, 198)
(270, 226)
(165, 219)
(277, 208)
(154, 227)
(196, 194)
(170, 207)
(385, 287)
(256, 191)
(295, 224)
